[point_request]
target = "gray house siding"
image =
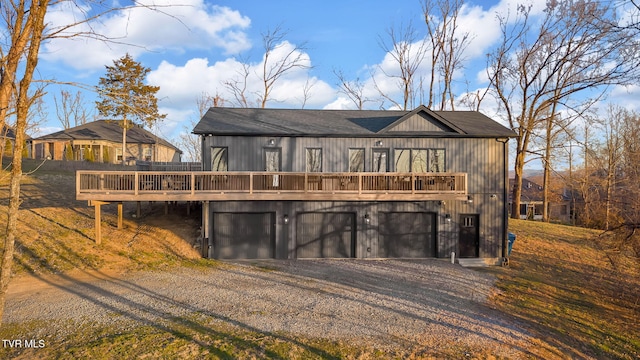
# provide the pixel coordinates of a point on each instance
(472, 144)
(368, 235)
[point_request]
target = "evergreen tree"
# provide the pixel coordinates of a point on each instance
(126, 98)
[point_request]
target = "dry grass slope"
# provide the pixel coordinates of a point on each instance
(578, 293)
(56, 232)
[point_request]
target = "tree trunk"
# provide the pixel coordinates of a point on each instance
(37, 12)
(12, 217)
(517, 186)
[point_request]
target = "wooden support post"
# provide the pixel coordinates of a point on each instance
(98, 225)
(188, 208)
(120, 215)
(138, 209)
(166, 207)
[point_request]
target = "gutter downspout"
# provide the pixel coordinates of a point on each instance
(505, 215)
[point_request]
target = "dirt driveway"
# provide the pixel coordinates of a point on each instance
(383, 303)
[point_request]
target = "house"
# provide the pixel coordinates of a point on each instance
(531, 202)
(354, 184)
(101, 141)
(7, 141)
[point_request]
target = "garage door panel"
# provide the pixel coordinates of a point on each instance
(243, 235)
(406, 234)
(325, 235)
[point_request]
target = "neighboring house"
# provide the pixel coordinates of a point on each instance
(101, 141)
(354, 184)
(8, 140)
(531, 202)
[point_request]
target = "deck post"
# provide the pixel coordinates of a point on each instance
(138, 209)
(120, 215)
(98, 225)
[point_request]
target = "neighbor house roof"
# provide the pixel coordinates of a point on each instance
(378, 123)
(532, 192)
(108, 131)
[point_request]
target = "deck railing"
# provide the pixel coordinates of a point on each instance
(202, 185)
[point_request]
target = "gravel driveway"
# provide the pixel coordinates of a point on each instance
(384, 303)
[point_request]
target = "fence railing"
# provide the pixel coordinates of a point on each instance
(203, 182)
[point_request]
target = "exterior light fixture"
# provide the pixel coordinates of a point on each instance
(470, 199)
(447, 217)
(494, 196)
(442, 203)
(367, 219)
(378, 143)
(271, 142)
(285, 218)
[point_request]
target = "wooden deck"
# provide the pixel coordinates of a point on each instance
(223, 186)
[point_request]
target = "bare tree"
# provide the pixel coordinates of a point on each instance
(26, 22)
(571, 51)
(306, 91)
(71, 110)
(408, 51)
(189, 142)
(278, 60)
(238, 85)
(353, 89)
(25, 31)
(447, 48)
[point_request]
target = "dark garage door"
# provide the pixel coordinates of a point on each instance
(325, 235)
(406, 235)
(244, 235)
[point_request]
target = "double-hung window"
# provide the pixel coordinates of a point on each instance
(356, 160)
(314, 160)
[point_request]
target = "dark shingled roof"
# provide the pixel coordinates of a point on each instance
(351, 123)
(109, 131)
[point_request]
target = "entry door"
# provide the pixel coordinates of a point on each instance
(469, 242)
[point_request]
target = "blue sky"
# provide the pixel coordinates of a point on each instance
(196, 45)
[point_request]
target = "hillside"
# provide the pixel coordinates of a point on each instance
(56, 232)
(577, 291)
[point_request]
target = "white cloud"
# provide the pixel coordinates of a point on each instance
(626, 96)
(181, 85)
(190, 25)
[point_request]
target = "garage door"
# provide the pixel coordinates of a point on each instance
(406, 235)
(244, 235)
(325, 235)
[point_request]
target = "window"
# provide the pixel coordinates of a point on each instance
(402, 160)
(356, 160)
(118, 154)
(273, 163)
(419, 160)
(411, 160)
(380, 160)
(314, 160)
(219, 159)
(272, 159)
(147, 154)
(436, 160)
